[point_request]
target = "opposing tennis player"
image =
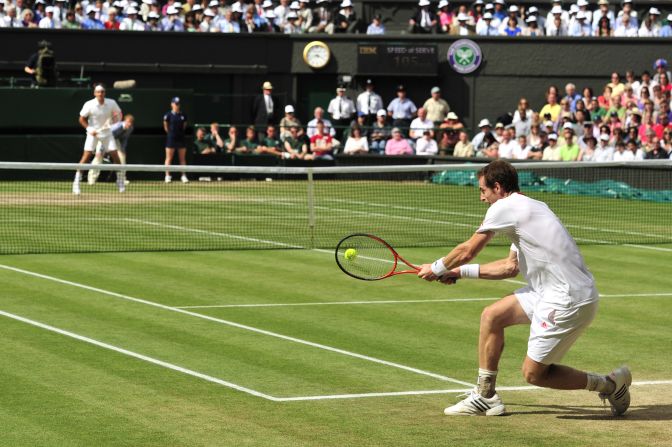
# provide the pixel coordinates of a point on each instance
(559, 302)
(97, 117)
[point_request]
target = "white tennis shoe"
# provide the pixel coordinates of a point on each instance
(619, 399)
(168, 179)
(75, 188)
(476, 405)
(184, 179)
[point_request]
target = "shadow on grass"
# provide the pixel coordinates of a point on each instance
(598, 412)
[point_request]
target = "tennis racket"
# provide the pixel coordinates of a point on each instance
(368, 257)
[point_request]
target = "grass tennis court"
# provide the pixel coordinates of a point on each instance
(284, 360)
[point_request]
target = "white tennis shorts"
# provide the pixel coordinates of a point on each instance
(107, 143)
(552, 330)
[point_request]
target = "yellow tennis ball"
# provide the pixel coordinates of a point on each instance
(350, 254)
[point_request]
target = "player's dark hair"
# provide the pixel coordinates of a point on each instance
(502, 172)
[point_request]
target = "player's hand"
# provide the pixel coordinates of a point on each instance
(449, 278)
(426, 273)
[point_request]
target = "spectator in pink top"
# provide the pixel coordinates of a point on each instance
(397, 145)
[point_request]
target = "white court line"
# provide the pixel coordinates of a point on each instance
(426, 392)
(239, 326)
(139, 356)
(447, 300)
(646, 247)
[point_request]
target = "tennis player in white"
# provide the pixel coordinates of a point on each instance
(97, 116)
(559, 302)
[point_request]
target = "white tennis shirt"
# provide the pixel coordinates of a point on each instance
(548, 256)
(100, 116)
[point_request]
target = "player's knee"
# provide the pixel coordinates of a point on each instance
(490, 318)
(533, 376)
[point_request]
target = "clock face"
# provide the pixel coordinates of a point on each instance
(316, 54)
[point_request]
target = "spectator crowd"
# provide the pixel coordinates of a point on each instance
(496, 18)
(630, 119)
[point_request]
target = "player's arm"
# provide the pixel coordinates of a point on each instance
(458, 256)
(500, 269)
(165, 126)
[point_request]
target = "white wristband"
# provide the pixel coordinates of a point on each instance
(438, 268)
(471, 271)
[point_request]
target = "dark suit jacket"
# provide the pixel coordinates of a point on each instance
(417, 17)
(259, 115)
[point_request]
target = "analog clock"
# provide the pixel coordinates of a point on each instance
(316, 54)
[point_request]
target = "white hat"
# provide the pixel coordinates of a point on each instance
(422, 3)
(582, 3)
(236, 8)
(289, 108)
(381, 112)
(478, 2)
(604, 137)
(553, 136)
(171, 11)
(532, 9)
(177, 5)
(213, 3)
(196, 7)
(513, 8)
(267, 4)
(49, 9)
(669, 17)
(569, 126)
(208, 12)
(451, 116)
(153, 15)
(489, 6)
(131, 10)
(556, 10)
(484, 122)
(292, 15)
(487, 16)
(348, 4)
(443, 3)
(500, 126)
(90, 9)
(267, 86)
(531, 19)
(147, 2)
(548, 123)
(573, 9)
(580, 15)
(654, 11)
(462, 17)
(294, 5)
(501, 2)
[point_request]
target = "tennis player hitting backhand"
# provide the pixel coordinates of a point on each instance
(559, 302)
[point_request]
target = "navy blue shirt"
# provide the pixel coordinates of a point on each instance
(176, 123)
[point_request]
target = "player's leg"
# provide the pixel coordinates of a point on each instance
(87, 154)
(552, 333)
(121, 175)
(170, 153)
(93, 174)
(182, 156)
(494, 319)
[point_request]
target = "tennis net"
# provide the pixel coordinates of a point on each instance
(281, 207)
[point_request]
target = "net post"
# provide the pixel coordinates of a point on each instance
(311, 207)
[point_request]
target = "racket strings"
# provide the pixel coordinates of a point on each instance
(372, 259)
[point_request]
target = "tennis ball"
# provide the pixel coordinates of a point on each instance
(350, 254)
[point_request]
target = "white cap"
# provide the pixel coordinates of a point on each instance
(573, 9)
(569, 126)
(462, 17)
(49, 9)
(654, 11)
(556, 10)
(451, 116)
(501, 2)
(423, 3)
(294, 5)
(213, 3)
(196, 7)
(236, 8)
(532, 9)
(487, 16)
(348, 4)
(289, 108)
(153, 15)
(604, 137)
(177, 5)
(91, 8)
(580, 15)
(443, 3)
(147, 2)
(548, 123)
(513, 8)
(381, 112)
(669, 17)
(582, 3)
(171, 10)
(531, 19)
(489, 6)
(484, 122)
(553, 136)
(131, 10)
(292, 15)
(208, 12)
(267, 4)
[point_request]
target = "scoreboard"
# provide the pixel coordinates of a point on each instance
(397, 59)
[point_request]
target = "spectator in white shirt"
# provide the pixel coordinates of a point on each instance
(420, 124)
(356, 143)
(486, 26)
(650, 27)
(508, 146)
(426, 145)
(556, 26)
(369, 102)
(552, 151)
(625, 28)
(50, 21)
(522, 152)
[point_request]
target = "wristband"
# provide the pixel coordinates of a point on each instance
(470, 271)
(438, 268)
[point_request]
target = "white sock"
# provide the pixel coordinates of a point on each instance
(78, 176)
(600, 383)
(486, 382)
